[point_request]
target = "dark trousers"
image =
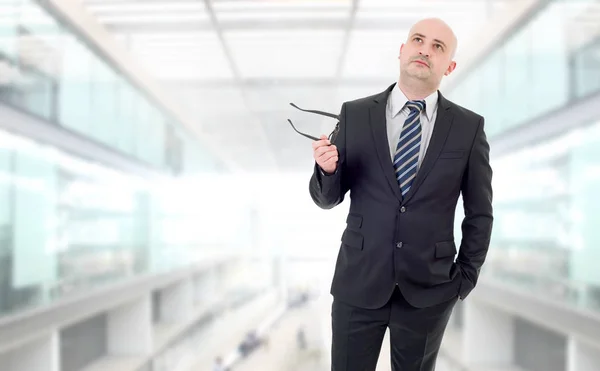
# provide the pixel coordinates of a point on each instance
(415, 334)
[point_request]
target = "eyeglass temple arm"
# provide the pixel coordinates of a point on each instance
(317, 112)
(301, 133)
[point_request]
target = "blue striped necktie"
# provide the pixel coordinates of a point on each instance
(407, 151)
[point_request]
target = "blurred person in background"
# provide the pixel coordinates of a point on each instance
(405, 155)
(301, 338)
(219, 366)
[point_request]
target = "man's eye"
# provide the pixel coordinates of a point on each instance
(418, 39)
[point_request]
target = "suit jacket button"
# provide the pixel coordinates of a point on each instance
(402, 209)
(399, 244)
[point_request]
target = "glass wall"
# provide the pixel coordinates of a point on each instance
(546, 217)
(545, 235)
(586, 68)
(47, 70)
(68, 225)
(546, 64)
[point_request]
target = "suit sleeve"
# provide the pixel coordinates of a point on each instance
(328, 190)
(477, 225)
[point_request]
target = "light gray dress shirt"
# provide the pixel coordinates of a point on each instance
(396, 114)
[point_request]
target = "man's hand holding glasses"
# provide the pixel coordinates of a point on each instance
(325, 154)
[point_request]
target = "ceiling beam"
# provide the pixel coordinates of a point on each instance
(346, 39)
(214, 22)
(87, 3)
(216, 25)
(103, 9)
(281, 82)
(263, 6)
(335, 24)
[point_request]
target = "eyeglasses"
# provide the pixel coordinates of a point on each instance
(331, 136)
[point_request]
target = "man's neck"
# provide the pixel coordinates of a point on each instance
(415, 90)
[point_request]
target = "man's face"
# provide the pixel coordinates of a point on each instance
(428, 52)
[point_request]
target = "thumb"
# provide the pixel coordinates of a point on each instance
(323, 136)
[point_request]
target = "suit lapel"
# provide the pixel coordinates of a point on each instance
(441, 129)
(379, 129)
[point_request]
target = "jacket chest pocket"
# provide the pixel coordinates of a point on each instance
(452, 154)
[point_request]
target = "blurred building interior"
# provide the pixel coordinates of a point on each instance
(154, 205)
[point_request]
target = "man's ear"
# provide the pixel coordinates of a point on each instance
(451, 68)
(400, 52)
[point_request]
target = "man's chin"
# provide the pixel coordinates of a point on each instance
(420, 75)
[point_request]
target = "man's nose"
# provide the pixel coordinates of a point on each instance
(424, 53)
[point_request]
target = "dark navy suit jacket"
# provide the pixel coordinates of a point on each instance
(408, 241)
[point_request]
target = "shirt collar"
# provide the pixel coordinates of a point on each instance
(398, 100)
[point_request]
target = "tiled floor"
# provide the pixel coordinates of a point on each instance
(225, 334)
(282, 352)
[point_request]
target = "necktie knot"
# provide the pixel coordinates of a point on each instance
(415, 105)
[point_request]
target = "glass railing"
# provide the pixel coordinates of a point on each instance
(548, 62)
(68, 225)
(49, 71)
(545, 236)
(585, 64)
(578, 294)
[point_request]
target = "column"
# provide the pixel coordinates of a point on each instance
(177, 302)
(582, 356)
(205, 288)
(488, 335)
(39, 355)
(130, 328)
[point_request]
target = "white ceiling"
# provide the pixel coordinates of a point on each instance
(236, 64)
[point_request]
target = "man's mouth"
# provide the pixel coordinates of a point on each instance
(421, 62)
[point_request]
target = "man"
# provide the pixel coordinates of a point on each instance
(405, 155)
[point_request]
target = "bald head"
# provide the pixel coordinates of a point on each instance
(427, 56)
(437, 27)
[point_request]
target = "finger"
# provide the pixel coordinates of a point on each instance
(322, 150)
(327, 155)
(331, 162)
(320, 143)
(331, 159)
(325, 149)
